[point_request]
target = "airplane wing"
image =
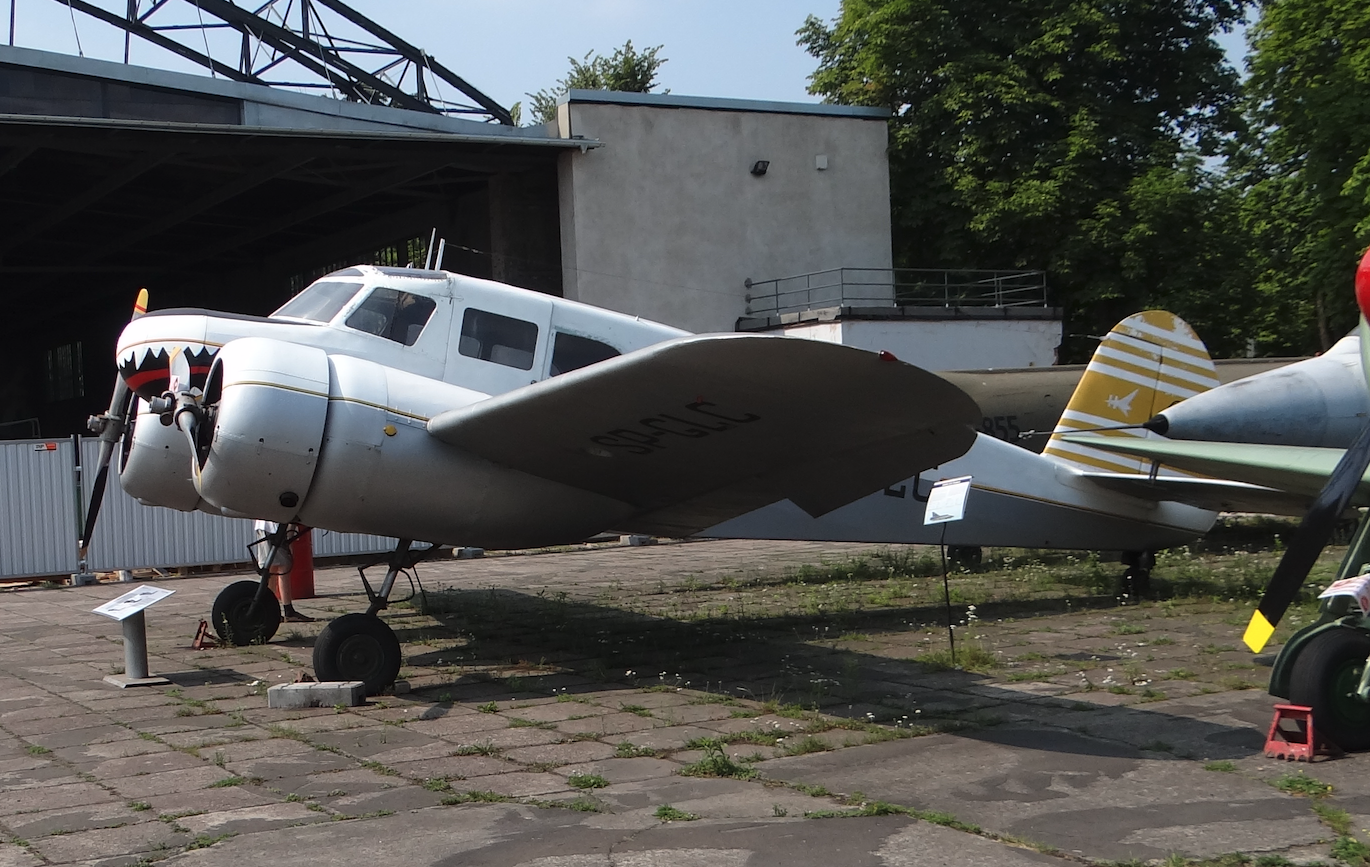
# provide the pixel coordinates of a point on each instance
(1298, 470)
(697, 430)
(1214, 495)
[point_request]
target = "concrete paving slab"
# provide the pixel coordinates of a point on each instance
(141, 839)
(251, 820)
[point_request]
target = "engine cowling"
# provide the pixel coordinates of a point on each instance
(155, 466)
(267, 404)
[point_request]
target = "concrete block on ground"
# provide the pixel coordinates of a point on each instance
(328, 693)
(638, 541)
(468, 553)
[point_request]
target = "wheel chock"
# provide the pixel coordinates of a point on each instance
(203, 640)
(1293, 736)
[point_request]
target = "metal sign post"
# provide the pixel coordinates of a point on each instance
(947, 503)
(128, 610)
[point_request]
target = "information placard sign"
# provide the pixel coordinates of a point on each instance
(132, 602)
(947, 501)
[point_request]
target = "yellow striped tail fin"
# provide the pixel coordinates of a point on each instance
(1147, 363)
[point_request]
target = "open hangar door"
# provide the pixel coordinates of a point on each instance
(231, 219)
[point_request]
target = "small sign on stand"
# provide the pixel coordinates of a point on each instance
(128, 610)
(947, 503)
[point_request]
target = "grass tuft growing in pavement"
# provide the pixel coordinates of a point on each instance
(1302, 784)
(587, 781)
(667, 813)
(717, 763)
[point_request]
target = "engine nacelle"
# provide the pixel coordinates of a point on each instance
(155, 465)
(268, 402)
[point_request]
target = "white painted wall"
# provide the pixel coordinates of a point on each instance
(665, 220)
(942, 344)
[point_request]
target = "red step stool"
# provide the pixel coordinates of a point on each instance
(203, 640)
(1293, 736)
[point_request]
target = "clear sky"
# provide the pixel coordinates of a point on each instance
(509, 48)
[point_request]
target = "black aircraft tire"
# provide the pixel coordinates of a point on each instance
(230, 612)
(358, 647)
(1325, 677)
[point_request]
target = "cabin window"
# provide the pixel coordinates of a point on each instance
(501, 339)
(572, 352)
(320, 301)
(392, 314)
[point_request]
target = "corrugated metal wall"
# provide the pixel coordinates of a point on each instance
(38, 528)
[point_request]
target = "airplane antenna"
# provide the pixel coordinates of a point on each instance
(428, 255)
(442, 248)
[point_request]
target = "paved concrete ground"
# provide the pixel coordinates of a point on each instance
(557, 718)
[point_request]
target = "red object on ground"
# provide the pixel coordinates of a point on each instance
(302, 572)
(1293, 736)
(1363, 285)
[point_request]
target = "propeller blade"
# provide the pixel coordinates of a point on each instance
(180, 372)
(110, 426)
(1312, 535)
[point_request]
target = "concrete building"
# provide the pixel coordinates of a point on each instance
(687, 200)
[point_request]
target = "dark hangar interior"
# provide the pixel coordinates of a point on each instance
(225, 192)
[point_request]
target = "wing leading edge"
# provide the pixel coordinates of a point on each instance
(694, 431)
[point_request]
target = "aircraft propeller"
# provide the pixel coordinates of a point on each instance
(110, 428)
(182, 404)
(1318, 522)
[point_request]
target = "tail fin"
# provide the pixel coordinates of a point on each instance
(1148, 362)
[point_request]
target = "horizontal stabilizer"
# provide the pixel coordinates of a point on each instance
(1214, 495)
(1298, 470)
(697, 430)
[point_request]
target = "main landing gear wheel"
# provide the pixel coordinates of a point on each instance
(358, 647)
(1325, 677)
(236, 622)
(1136, 580)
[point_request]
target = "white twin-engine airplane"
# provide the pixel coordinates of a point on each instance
(432, 406)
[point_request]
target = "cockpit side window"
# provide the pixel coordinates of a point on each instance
(572, 352)
(393, 314)
(501, 339)
(320, 301)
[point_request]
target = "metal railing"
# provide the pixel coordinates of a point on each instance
(896, 287)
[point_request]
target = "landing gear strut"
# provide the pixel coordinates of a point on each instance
(247, 612)
(1137, 578)
(361, 646)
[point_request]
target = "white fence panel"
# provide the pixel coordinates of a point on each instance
(38, 525)
(37, 508)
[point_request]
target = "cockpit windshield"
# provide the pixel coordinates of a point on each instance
(393, 314)
(319, 302)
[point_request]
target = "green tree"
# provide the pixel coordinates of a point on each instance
(1306, 167)
(627, 69)
(1054, 134)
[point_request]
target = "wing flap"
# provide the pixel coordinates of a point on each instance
(696, 430)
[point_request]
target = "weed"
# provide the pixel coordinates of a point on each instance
(1128, 629)
(667, 813)
(805, 745)
(969, 657)
(139, 806)
(481, 749)
(716, 763)
(1179, 674)
(378, 768)
(635, 709)
(475, 797)
(1337, 820)
(1224, 766)
(581, 805)
(36, 750)
(587, 781)
(235, 780)
(437, 784)
(1349, 850)
(626, 750)
(519, 722)
(488, 707)
(204, 841)
(1302, 784)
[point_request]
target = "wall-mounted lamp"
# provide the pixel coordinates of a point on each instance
(759, 167)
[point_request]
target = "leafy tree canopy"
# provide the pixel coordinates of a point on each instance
(1305, 171)
(627, 69)
(1067, 135)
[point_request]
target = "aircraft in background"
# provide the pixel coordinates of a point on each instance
(1072, 496)
(1016, 402)
(431, 406)
(1324, 665)
(1319, 401)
